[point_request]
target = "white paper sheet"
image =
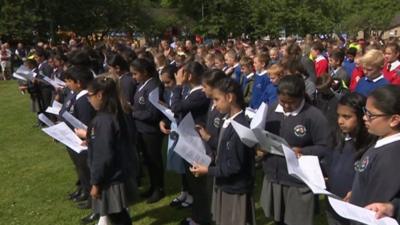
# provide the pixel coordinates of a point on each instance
(307, 170)
(363, 215)
(62, 133)
(59, 82)
(25, 72)
(19, 77)
(45, 120)
(245, 134)
(258, 121)
(249, 112)
(189, 145)
(154, 97)
(52, 82)
(73, 121)
(54, 108)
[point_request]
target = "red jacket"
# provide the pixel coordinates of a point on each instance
(357, 74)
(321, 65)
(392, 74)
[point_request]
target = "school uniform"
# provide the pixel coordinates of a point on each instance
(308, 65)
(327, 103)
(46, 90)
(261, 81)
(285, 198)
(127, 86)
(340, 74)
(356, 76)
(235, 73)
(78, 105)
(149, 138)
(391, 71)
(197, 104)
(321, 65)
(248, 88)
(349, 66)
(270, 94)
(340, 176)
(377, 172)
(234, 174)
(366, 86)
(108, 159)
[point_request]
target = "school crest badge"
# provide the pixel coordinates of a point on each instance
(217, 122)
(362, 164)
(300, 130)
(142, 101)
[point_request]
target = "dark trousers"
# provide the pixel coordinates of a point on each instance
(82, 169)
(150, 145)
(199, 187)
(121, 218)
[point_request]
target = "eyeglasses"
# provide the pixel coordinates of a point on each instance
(370, 116)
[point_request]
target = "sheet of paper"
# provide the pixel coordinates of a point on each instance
(305, 172)
(258, 121)
(270, 142)
(45, 120)
(353, 212)
(56, 105)
(245, 134)
(154, 97)
(189, 144)
(19, 77)
(249, 112)
(73, 121)
(52, 82)
(62, 133)
(59, 82)
(52, 110)
(26, 73)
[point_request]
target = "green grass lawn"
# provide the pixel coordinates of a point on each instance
(36, 174)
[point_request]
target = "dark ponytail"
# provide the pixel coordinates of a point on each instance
(228, 85)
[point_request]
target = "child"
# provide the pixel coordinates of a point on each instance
(349, 61)
(147, 117)
(352, 140)
(377, 170)
(320, 62)
(372, 63)
(274, 55)
(306, 131)
(234, 166)
(119, 68)
(261, 80)
(108, 146)
(275, 73)
(209, 60)
(246, 66)
(391, 70)
(337, 72)
(219, 61)
(233, 65)
(357, 74)
(197, 104)
(161, 62)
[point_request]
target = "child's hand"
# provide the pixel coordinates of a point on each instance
(260, 153)
(180, 77)
(381, 209)
(81, 133)
(203, 132)
(297, 151)
(163, 128)
(95, 192)
(347, 197)
(198, 169)
(84, 143)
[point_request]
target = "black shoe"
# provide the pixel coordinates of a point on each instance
(74, 194)
(147, 193)
(81, 197)
(156, 196)
(93, 217)
(85, 204)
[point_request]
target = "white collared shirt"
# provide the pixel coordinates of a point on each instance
(279, 109)
(387, 140)
(193, 90)
(376, 79)
(347, 137)
(145, 83)
(394, 65)
(262, 73)
(80, 94)
(250, 75)
(227, 121)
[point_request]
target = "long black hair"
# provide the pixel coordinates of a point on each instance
(362, 139)
(228, 85)
(145, 66)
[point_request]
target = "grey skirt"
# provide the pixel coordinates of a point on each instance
(228, 209)
(115, 198)
(288, 204)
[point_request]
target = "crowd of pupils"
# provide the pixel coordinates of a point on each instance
(335, 100)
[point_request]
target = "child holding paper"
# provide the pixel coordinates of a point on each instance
(284, 198)
(352, 140)
(377, 171)
(234, 166)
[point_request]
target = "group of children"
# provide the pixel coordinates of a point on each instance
(351, 122)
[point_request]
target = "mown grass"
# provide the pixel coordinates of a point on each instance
(36, 174)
